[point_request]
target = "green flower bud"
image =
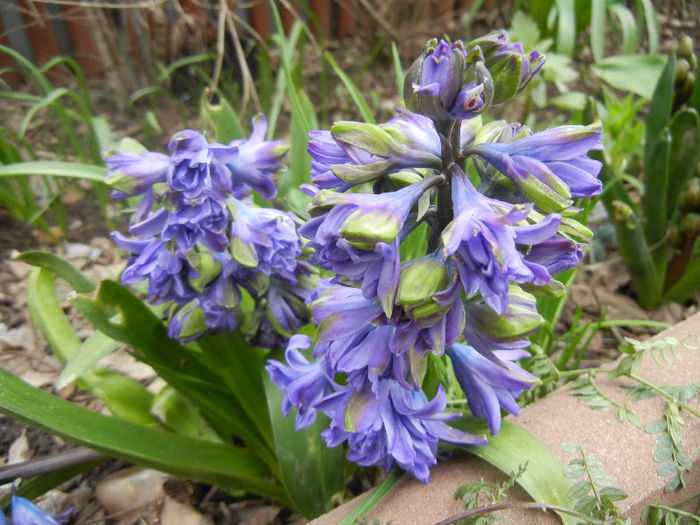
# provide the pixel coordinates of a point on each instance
(690, 225)
(420, 280)
(206, 265)
(519, 321)
(689, 199)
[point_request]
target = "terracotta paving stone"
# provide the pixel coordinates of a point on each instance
(627, 451)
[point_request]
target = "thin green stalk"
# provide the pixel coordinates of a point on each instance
(663, 393)
(371, 501)
(487, 509)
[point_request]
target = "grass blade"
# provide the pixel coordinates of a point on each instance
(378, 494)
(71, 170)
(598, 29)
(80, 282)
(355, 94)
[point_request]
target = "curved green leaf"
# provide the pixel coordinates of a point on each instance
(226, 465)
(94, 348)
(628, 27)
(597, 29)
(70, 170)
(634, 73)
(543, 479)
(355, 94)
(124, 397)
(312, 473)
(80, 282)
(566, 27)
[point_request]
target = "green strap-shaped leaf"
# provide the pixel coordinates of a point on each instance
(239, 366)
(124, 397)
(685, 287)
(656, 180)
(80, 282)
(566, 27)
(659, 107)
(226, 465)
(178, 414)
(85, 359)
(543, 479)
(223, 118)
(634, 250)
(597, 29)
(355, 94)
(628, 26)
(685, 146)
(180, 366)
(71, 170)
(312, 473)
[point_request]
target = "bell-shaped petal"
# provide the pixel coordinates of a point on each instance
(549, 167)
(392, 427)
(24, 512)
(487, 330)
(134, 173)
(253, 161)
(362, 219)
(303, 383)
(490, 386)
(481, 243)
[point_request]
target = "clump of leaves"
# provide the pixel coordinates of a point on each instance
(669, 453)
(594, 495)
(480, 493)
(664, 515)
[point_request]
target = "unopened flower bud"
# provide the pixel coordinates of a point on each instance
(187, 322)
(690, 225)
(685, 48)
(681, 72)
(519, 320)
(435, 79)
(206, 265)
(419, 282)
(674, 235)
(689, 199)
(510, 68)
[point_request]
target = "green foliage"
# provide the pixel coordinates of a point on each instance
(480, 493)
(215, 395)
(595, 495)
(657, 236)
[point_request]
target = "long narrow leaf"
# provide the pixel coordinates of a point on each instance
(652, 24)
(312, 472)
(380, 492)
(80, 282)
(628, 27)
(145, 333)
(124, 397)
(598, 29)
(226, 465)
(543, 478)
(355, 94)
(689, 283)
(70, 170)
(566, 27)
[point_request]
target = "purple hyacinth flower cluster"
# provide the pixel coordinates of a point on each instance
(199, 242)
(440, 259)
